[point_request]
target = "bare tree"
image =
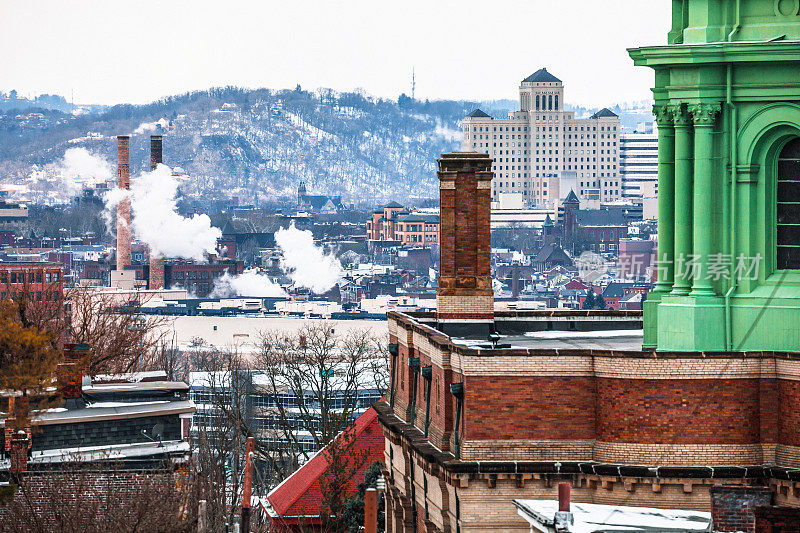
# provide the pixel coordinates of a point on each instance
(221, 427)
(121, 338)
(317, 380)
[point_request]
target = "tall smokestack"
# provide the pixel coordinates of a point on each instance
(155, 151)
(156, 261)
(124, 207)
(465, 281)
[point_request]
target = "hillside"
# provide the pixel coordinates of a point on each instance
(256, 145)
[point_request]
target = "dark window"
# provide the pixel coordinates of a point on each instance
(788, 209)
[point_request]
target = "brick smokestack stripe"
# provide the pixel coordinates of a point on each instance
(156, 280)
(124, 207)
(465, 282)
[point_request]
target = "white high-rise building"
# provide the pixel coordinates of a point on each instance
(541, 152)
(639, 163)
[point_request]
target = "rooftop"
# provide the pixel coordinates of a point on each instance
(604, 113)
(478, 114)
(539, 331)
(541, 76)
(591, 518)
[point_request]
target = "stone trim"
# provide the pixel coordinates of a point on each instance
(414, 440)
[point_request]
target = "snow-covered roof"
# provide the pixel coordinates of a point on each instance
(113, 411)
(591, 517)
(111, 452)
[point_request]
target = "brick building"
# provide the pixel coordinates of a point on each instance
(110, 437)
(486, 408)
(393, 222)
(39, 281)
(601, 229)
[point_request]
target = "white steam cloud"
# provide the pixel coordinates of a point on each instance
(249, 283)
(156, 220)
(307, 265)
(81, 168)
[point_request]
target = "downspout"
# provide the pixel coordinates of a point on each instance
(732, 134)
(457, 390)
(413, 363)
(427, 374)
(394, 349)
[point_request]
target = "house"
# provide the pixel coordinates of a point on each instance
(296, 503)
(549, 256)
(601, 229)
(318, 204)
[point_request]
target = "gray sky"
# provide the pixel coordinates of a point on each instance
(110, 51)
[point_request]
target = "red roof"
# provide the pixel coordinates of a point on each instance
(575, 284)
(298, 499)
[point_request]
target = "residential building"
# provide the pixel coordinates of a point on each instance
(10, 212)
(297, 503)
(115, 431)
(418, 228)
(543, 151)
(393, 222)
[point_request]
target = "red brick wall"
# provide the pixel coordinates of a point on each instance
(732, 507)
(702, 411)
(777, 520)
(788, 402)
(402, 391)
(525, 407)
(769, 409)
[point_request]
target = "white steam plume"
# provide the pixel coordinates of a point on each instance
(81, 168)
(307, 265)
(111, 199)
(249, 283)
(156, 220)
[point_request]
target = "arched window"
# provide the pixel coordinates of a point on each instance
(550, 99)
(788, 208)
(556, 102)
(537, 102)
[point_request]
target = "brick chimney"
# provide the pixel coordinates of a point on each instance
(124, 207)
(465, 282)
(69, 375)
(156, 280)
(19, 452)
(17, 432)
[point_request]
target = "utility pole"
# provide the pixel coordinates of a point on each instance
(247, 491)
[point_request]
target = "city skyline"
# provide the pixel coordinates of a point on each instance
(105, 54)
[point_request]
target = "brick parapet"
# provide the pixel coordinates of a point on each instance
(527, 450)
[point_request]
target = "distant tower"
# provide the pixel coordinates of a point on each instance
(413, 83)
(571, 205)
(301, 191)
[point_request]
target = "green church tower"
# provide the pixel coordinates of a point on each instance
(727, 105)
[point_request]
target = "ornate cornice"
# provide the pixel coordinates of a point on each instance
(705, 114)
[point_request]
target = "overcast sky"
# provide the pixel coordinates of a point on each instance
(113, 51)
